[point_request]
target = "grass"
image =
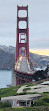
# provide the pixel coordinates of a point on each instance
(32, 93)
(46, 92)
(24, 93)
(26, 89)
(5, 104)
(4, 92)
(38, 108)
(12, 91)
(43, 101)
(41, 104)
(30, 84)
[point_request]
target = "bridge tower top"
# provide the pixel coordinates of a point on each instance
(22, 36)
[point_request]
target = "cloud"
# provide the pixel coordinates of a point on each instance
(38, 22)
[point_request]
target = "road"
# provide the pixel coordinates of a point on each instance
(22, 65)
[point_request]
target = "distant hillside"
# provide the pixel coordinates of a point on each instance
(7, 57)
(9, 49)
(39, 60)
(6, 60)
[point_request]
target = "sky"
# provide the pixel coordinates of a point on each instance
(40, 51)
(38, 22)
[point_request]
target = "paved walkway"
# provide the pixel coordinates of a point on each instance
(39, 88)
(20, 90)
(21, 97)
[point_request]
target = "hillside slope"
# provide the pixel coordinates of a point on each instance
(6, 60)
(39, 60)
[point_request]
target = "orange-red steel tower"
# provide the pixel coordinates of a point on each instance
(22, 31)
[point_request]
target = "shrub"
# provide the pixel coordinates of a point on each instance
(1, 104)
(42, 101)
(5, 104)
(46, 99)
(26, 89)
(0, 98)
(23, 93)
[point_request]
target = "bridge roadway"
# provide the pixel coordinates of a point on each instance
(22, 72)
(22, 65)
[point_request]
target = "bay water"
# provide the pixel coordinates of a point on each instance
(5, 78)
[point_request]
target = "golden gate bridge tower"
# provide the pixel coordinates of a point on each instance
(22, 41)
(21, 72)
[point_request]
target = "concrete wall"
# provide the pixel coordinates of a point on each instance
(13, 81)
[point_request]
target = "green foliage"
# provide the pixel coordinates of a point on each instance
(5, 104)
(25, 89)
(46, 92)
(46, 99)
(42, 101)
(46, 70)
(39, 108)
(9, 91)
(0, 98)
(39, 74)
(1, 104)
(32, 93)
(30, 84)
(12, 91)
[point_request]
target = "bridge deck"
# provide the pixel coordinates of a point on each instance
(22, 72)
(22, 65)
